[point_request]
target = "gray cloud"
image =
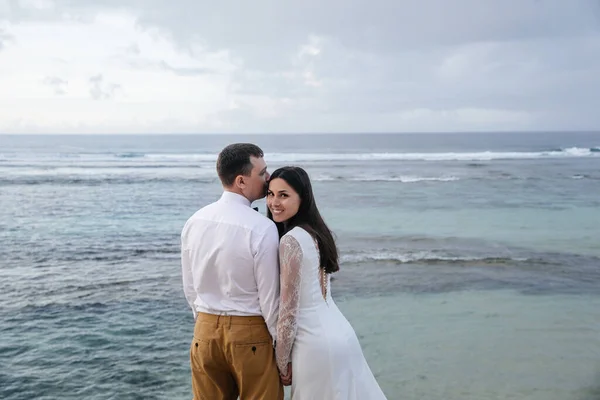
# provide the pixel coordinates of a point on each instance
(99, 90)
(5, 37)
(383, 57)
(57, 84)
(164, 66)
(380, 59)
(133, 50)
(132, 56)
(183, 71)
(262, 28)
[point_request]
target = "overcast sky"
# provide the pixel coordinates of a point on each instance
(183, 66)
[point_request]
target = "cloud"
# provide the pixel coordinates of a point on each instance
(4, 9)
(5, 37)
(59, 85)
(100, 90)
(36, 4)
(270, 66)
(132, 56)
(184, 71)
(164, 66)
(380, 27)
(306, 60)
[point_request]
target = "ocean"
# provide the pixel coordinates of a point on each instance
(470, 263)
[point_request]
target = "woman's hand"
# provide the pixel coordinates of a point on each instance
(287, 378)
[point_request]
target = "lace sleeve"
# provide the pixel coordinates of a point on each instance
(290, 260)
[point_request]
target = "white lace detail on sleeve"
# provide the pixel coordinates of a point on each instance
(290, 264)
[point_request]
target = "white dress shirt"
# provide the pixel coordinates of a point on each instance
(230, 261)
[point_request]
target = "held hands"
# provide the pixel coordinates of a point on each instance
(287, 378)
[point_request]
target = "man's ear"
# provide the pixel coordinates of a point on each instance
(240, 182)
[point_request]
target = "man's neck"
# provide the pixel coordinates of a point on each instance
(236, 191)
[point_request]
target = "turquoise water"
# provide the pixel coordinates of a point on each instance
(470, 263)
(478, 345)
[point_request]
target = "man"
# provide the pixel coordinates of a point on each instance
(229, 255)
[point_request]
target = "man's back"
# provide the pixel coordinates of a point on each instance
(230, 261)
(230, 268)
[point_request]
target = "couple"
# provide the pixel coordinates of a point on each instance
(260, 293)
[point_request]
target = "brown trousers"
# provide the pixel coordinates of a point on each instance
(233, 356)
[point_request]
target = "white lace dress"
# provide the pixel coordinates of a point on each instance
(312, 333)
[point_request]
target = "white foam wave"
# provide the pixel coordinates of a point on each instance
(406, 179)
(382, 178)
(325, 178)
(114, 172)
(400, 257)
(577, 152)
(288, 158)
(187, 157)
(446, 156)
(418, 256)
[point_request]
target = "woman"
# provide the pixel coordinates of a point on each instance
(317, 348)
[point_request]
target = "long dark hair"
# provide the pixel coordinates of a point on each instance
(308, 217)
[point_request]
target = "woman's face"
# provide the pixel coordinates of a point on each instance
(282, 200)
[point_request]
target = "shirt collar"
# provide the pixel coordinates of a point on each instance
(231, 197)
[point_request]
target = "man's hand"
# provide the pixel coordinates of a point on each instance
(287, 378)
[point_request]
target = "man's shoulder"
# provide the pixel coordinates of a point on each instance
(257, 221)
(206, 210)
(233, 214)
(200, 214)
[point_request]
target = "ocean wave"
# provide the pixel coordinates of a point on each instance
(84, 176)
(169, 175)
(383, 178)
(208, 159)
(586, 176)
(426, 257)
(106, 257)
(446, 156)
(130, 155)
(91, 180)
(184, 156)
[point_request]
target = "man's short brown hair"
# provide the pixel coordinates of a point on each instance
(234, 160)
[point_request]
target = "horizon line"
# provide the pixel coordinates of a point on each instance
(301, 133)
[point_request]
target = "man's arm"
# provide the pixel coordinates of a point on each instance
(188, 280)
(266, 272)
